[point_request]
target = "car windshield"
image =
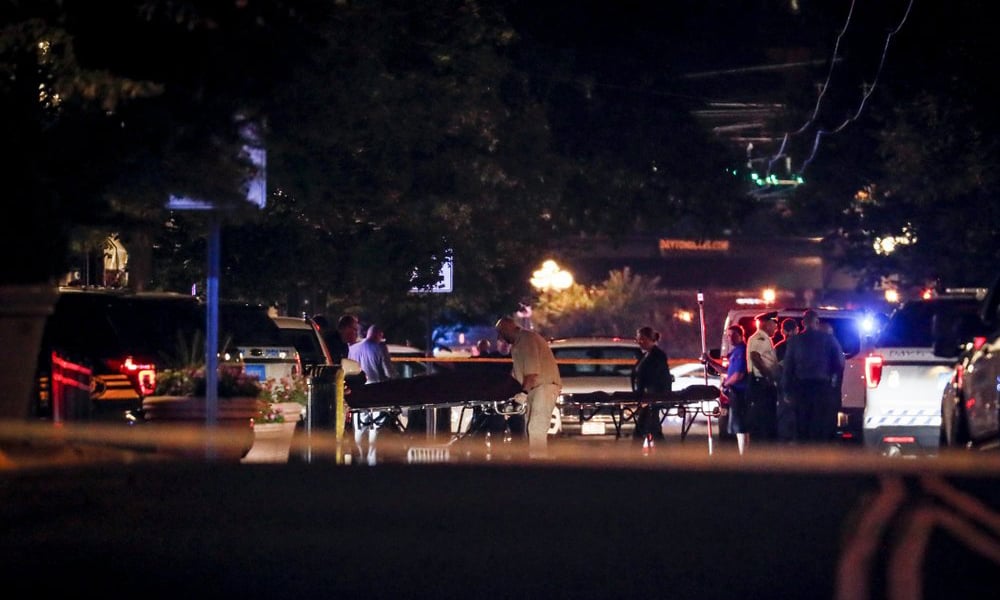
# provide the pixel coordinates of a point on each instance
(305, 341)
(912, 325)
(162, 329)
(591, 369)
(848, 333)
(247, 325)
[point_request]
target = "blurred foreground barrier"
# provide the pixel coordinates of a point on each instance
(806, 523)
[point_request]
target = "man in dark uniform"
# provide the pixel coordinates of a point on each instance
(811, 371)
(786, 429)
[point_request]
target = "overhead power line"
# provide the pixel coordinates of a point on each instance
(869, 89)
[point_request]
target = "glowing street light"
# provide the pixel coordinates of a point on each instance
(551, 277)
(768, 295)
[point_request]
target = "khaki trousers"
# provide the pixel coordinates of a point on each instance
(541, 403)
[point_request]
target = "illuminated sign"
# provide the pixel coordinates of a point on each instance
(669, 245)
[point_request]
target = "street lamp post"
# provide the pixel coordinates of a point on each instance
(551, 277)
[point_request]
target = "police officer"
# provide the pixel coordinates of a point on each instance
(762, 386)
(813, 365)
(787, 432)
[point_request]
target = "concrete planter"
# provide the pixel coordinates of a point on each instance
(186, 416)
(23, 311)
(272, 443)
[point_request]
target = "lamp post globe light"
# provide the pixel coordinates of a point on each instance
(551, 277)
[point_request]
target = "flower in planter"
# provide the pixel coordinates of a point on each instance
(190, 381)
(287, 389)
(271, 414)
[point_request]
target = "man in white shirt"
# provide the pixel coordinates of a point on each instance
(762, 388)
(536, 370)
(373, 356)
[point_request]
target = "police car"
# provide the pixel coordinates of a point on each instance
(906, 380)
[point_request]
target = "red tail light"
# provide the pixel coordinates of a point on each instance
(144, 375)
(873, 370)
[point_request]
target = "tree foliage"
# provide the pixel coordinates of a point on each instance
(116, 106)
(920, 169)
(411, 134)
(398, 136)
(612, 308)
(409, 139)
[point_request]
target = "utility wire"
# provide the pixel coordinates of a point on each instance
(826, 84)
(869, 90)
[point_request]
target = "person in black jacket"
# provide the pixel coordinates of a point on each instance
(810, 376)
(338, 342)
(651, 374)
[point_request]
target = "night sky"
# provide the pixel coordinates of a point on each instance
(697, 53)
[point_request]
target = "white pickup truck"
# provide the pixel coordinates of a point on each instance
(905, 379)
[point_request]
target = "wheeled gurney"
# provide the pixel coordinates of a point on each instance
(623, 407)
(492, 391)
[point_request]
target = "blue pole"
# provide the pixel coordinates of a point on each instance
(212, 330)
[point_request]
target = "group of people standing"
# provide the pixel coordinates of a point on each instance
(782, 387)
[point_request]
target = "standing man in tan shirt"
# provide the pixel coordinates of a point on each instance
(762, 388)
(536, 370)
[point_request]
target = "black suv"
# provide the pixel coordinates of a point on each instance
(101, 349)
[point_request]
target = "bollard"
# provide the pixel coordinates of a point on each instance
(339, 415)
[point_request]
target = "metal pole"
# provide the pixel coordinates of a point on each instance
(309, 418)
(430, 414)
(212, 332)
(704, 351)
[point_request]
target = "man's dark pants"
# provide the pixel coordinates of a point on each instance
(763, 397)
(816, 402)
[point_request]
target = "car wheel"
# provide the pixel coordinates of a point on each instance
(555, 423)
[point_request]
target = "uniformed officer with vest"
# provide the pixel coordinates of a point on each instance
(764, 372)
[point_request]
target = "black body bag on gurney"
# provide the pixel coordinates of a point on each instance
(439, 389)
